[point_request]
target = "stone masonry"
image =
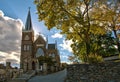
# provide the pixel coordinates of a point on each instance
(102, 72)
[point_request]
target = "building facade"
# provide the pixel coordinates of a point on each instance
(34, 52)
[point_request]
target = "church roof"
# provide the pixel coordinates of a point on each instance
(28, 25)
(40, 38)
(51, 46)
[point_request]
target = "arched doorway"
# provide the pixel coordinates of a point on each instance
(33, 65)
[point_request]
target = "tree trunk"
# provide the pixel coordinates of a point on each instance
(87, 35)
(117, 39)
(87, 42)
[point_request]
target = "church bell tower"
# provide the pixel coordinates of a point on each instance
(27, 45)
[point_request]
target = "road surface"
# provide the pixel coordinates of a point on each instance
(55, 77)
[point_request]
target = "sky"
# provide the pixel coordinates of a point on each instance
(13, 15)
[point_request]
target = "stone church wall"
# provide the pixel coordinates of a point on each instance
(102, 72)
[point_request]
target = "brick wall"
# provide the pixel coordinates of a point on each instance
(102, 72)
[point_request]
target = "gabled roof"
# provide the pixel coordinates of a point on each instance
(28, 25)
(40, 38)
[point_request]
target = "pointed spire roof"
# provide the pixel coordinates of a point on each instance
(28, 25)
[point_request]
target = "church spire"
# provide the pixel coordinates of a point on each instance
(28, 25)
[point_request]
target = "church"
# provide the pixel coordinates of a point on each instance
(37, 54)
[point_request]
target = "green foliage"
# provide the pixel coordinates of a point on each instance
(104, 45)
(107, 45)
(45, 59)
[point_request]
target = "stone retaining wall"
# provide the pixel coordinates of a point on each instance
(102, 72)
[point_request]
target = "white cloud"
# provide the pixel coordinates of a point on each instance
(37, 34)
(10, 38)
(57, 35)
(66, 45)
(63, 56)
(1, 13)
(64, 59)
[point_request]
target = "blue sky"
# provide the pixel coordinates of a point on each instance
(17, 10)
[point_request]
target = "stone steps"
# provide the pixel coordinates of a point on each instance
(24, 77)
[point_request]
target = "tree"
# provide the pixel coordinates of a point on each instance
(115, 19)
(45, 59)
(106, 45)
(73, 59)
(112, 16)
(79, 20)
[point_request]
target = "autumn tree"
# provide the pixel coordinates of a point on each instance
(80, 20)
(73, 59)
(112, 16)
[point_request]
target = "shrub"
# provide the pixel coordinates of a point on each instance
(94, 58)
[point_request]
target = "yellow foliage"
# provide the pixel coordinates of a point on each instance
(78, 20)
(94, 58)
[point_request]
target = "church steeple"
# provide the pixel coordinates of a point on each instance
(28, 25)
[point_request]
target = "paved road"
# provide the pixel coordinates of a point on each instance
(55, 77)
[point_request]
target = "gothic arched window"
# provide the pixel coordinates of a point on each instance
(50, 55)
(39, 52)
(53, 55)
(24, 47)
